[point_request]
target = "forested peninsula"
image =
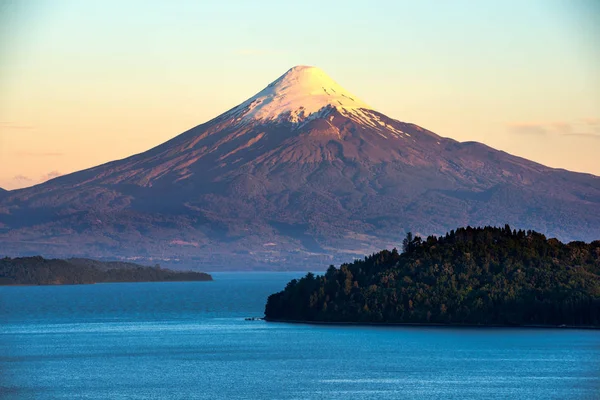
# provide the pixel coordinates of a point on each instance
(40, 271)
(472, 276)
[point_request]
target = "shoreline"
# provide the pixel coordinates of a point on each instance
(431, 325)
(98, 283)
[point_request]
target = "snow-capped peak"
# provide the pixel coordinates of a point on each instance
(300, 92)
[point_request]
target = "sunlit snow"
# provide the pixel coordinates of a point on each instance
(297, 95)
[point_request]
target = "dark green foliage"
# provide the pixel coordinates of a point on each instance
(482, 276)
(40, 271)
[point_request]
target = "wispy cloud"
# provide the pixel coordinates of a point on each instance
(564, 128)
(50, 175)
(528, 128)
(585, 128)
(585, 135)
(11, 126)
(21, 181)
(592, 121)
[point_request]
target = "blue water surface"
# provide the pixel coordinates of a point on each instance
(186, 340)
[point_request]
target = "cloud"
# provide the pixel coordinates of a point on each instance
(584, 128)
(50, 175)
(11, 126)
(528, 128)
(21, 181)
(585, 135)
(592, 121)
(562, 127)
(593, 124)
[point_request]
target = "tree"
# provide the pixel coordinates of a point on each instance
(407, 243)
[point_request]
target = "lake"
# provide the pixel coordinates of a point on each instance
(183, 340)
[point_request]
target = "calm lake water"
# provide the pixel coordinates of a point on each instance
(190, 340)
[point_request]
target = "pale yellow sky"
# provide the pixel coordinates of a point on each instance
(82, 84)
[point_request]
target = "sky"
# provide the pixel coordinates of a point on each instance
(87, 82)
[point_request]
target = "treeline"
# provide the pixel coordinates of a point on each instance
(481, 276)
(41, 271)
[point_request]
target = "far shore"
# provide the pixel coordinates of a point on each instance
(432, 325)
(95, 283)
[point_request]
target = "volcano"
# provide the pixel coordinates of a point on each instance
(302, 175)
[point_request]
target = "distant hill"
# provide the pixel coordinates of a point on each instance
(40, 271)
(301, 174)
(484, 276)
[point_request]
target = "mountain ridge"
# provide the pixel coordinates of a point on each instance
(266, 190)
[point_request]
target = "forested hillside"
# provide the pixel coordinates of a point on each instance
(487, 276)
(41, 271)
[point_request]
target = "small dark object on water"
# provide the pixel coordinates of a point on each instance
(253, 319)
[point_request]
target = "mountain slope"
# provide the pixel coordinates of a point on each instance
(301, 173)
